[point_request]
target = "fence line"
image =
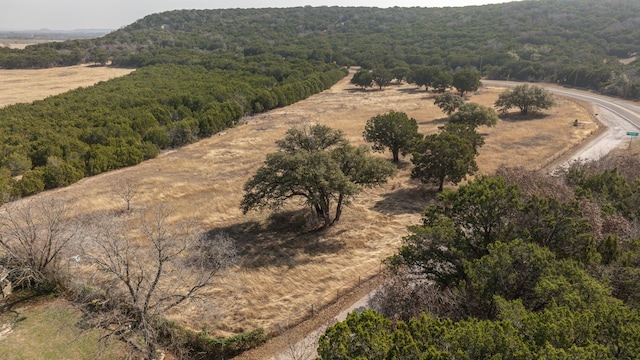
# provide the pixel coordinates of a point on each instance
(331, 297)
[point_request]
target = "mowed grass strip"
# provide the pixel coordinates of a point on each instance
(50, 330)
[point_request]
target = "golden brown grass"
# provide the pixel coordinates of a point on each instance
(535, 140)
(283, 270)
(21, 43)
(29, 85)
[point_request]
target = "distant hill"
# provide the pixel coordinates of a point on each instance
(46, 34)
(577, 42)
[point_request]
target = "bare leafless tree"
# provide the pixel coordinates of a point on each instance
(149, 270)
(5, 283)
(403, 296)
(33, 236)
(126, 189)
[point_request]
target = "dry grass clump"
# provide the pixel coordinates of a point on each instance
(283, 268)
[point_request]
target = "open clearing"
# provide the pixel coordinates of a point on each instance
(283, 272)
(21, 43)
(30, 85)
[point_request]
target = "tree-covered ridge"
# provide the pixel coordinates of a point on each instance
(576, 42)
(59, 140)
(590, 23)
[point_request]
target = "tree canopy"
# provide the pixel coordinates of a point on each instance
(59, 140)
(526, 97)
(443, 157)
(466, 80)
(474, 115)
(318, 165)
(393, 130)
(424, 76)
(442, 81)
(363, 78)
(382, 77)
(448, 102)
(562, 329)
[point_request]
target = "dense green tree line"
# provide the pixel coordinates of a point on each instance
(580, 321)
(512, 266)
(59, 140)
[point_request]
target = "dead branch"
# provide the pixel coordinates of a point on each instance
(151, 268)
(33, 234)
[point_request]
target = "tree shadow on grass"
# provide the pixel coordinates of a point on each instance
(279, 241)
(413, 91)
(357, 90)
(438, 121)
(20, 298)
(404, 163)
(517, 117)
(411, 200)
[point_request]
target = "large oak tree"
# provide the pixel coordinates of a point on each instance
(318, 165)
(443, 157)
(466, 80)
(393, 130)
(363, 78)
(474, 115)
(525, 97)
(382, 77)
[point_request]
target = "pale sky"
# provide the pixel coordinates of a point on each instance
(113, 14)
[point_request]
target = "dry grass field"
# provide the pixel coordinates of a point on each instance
(31, 85)
(283, 269)
(21, 43)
